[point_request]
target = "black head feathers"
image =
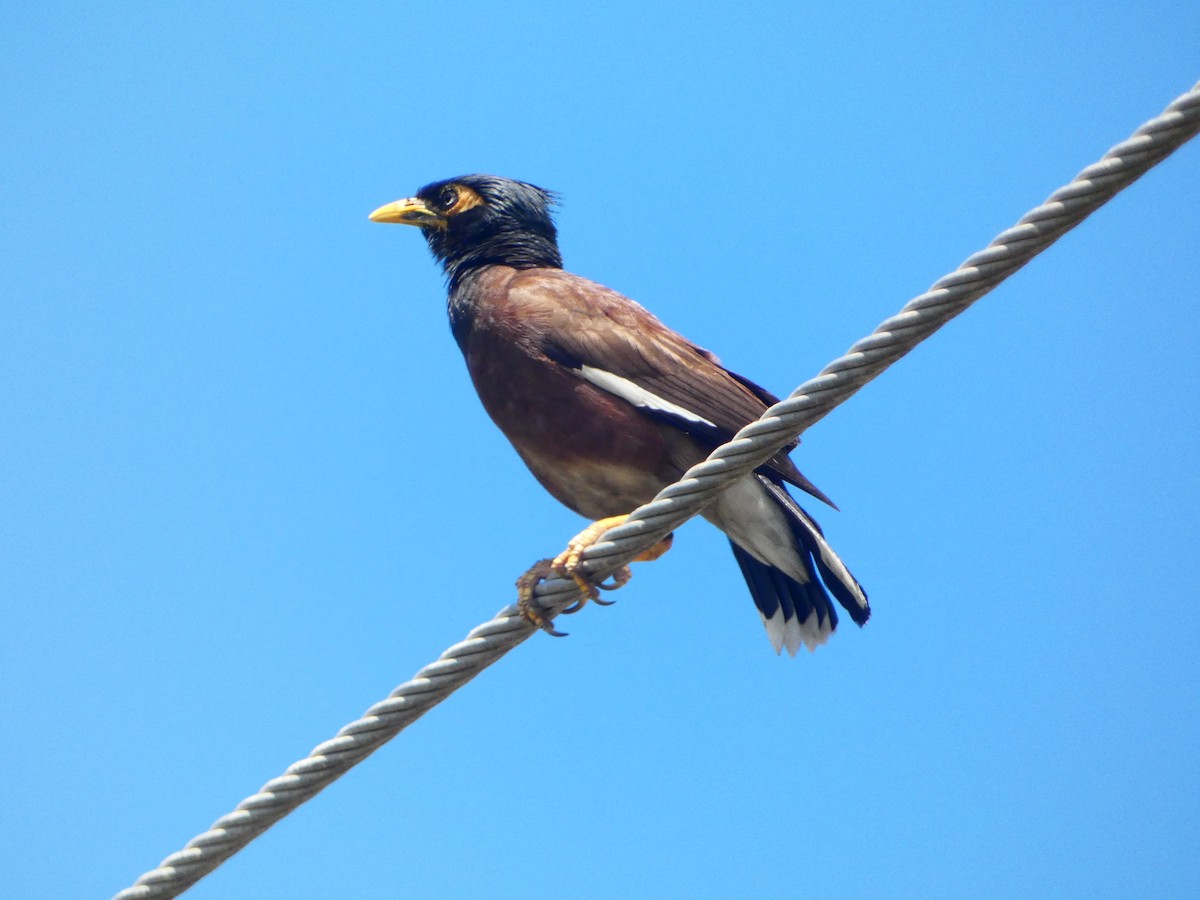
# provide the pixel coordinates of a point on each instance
(487, 220)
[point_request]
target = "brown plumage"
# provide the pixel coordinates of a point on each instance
(606, 404)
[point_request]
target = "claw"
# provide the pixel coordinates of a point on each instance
(527, 605)
(566, 565)
(620, 578)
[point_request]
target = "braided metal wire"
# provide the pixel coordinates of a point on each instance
(895, 337)
(752, 446)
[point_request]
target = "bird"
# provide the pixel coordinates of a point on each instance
(606, 405)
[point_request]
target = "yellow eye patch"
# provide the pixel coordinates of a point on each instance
(467, 199)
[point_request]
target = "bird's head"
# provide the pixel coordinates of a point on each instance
(479, 220)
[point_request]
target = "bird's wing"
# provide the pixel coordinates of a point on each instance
(617, 345)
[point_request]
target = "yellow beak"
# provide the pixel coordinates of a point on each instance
(409, 211)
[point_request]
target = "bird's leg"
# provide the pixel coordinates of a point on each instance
(566, 565)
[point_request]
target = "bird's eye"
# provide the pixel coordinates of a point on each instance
(447, 197)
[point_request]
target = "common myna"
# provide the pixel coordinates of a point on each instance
(607, 405)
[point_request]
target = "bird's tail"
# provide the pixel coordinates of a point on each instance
(791, 585)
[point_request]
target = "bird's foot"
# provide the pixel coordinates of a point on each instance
(566, 565)
(528, 606)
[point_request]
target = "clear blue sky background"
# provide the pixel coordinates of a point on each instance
(246, 489)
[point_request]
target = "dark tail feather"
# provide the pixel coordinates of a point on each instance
(836, 577)
(775, 593)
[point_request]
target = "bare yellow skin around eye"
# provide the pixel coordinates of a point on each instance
(467, 199)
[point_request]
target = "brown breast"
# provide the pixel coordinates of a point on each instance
(594, 452)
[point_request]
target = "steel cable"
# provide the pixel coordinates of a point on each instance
(677, 503)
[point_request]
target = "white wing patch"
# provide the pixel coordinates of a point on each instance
(638, 396)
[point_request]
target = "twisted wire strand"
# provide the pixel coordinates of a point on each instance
(895, 337)
(751, 447)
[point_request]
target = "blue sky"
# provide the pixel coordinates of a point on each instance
(246, 489)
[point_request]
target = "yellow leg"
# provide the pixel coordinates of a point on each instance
(566, 565)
